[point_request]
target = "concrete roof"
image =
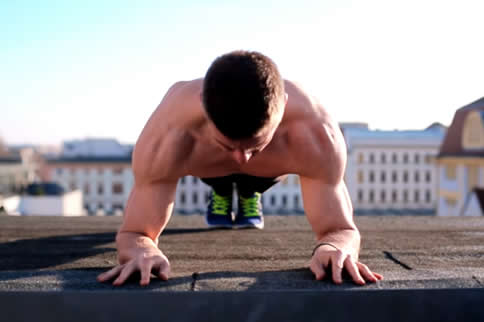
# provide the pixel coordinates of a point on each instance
(45, 254)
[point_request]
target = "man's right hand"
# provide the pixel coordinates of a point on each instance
(146, 261)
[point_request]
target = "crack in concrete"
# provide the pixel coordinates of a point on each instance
(396, 261)
(194, 281)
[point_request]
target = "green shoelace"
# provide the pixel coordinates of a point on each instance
(220, 205)
(250, 206)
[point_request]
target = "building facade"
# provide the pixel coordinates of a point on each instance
(392, 172)
(460, 163)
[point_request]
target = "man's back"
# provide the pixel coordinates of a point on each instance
(176, 142)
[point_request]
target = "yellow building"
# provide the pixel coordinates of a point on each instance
(460, 164)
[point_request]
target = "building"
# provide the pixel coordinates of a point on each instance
(460, 163)
(44, 199)
(391, 172)
(17, 169)
(101, 168)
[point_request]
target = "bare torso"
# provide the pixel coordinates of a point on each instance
(175, 141)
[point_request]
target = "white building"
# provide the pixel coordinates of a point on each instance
(392, 171)
(101, 168)
(67, 204)
(460, 164)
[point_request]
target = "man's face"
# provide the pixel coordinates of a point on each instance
(242, 151)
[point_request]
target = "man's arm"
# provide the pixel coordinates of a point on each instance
(329, 211)
(148, 211)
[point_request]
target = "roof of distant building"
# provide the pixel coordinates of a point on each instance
(452, 144)
(95, 147)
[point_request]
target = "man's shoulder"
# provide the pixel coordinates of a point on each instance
(161, 157)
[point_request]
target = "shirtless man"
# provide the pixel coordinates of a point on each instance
(242, 119)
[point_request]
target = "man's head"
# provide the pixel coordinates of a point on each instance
(243, 93)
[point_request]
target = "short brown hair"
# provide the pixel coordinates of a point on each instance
(241, 91)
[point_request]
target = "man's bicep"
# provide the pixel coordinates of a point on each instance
(149, 208)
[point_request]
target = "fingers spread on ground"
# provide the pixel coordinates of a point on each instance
(317, 269)
(164, 272)
(337, 269)
(353, 271)
(125, 273)
(367, 274)
(113, 272)
(146, 273)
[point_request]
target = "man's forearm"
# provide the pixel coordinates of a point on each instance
(129, 244)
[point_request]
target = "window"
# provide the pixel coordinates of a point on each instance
(417, 176)
(361, 158)
(383, 196)
(194, 180)
(100, 189)
(451, 202)
(360, 176)
(372, 158)
(472, 176)
(405, 158)
(428, 196)
(450, 171)
(427, 176)
(296, 201)
(371, 196)
(383, 177)
(405, 176)
(417, 158)
(100, 206)
(383, 158)
(183, 198)
(394, 158)
(87, 189)
(195, 198)
(372, 176)
(394, 196)
(273, 200)
(284, 200)
(117, 170)
(360, 195)
(182, 181)
(416, 196)
(117, 188)
(405, 196)
(394, 176)
(473, 131)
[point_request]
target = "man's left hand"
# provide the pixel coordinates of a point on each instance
(327, 257)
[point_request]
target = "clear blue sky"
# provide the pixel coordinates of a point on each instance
(75, 69)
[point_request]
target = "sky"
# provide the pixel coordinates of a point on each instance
(77, 69)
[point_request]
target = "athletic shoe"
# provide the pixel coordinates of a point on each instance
(249, 214)
(219, 212)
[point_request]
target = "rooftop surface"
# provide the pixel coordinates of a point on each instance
(61, 255)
